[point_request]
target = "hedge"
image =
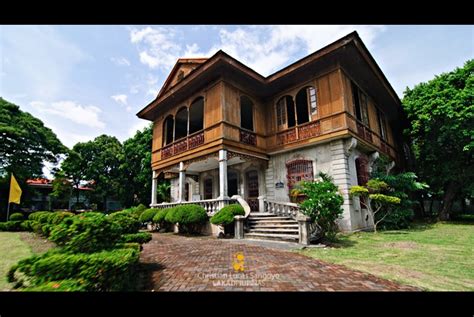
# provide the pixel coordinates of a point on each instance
(127, 223)
(141, 237)
(160, 216)
(225, 216)
(188, 217)
(69, 285)
(88, 233)
(148, 215)
(10, 226)
(103, 271)
(16, 217)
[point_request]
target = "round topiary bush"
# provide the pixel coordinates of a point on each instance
(161, 215)
(189, 217)
(16, 217)
(225, 216)
(125, 221)
(148, 215)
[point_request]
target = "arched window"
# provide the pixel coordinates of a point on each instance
(303, 103)
(181, 124)
(168, 127)
(285, 110)
(196, 115)
(299, 170)
(246, 113)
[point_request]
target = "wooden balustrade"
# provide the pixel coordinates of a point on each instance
(304, 131)
(190, 142)
(247, 137)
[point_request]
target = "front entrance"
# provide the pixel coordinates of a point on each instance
(232, 183)
(252, 189)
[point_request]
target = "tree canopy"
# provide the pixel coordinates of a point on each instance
(441, 114)
(25, 143)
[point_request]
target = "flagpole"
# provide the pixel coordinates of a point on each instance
(8, 211)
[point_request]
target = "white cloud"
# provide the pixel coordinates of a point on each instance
(266, 49)
(120, 61)
(158, 47)
(120, 99)
(70, 110)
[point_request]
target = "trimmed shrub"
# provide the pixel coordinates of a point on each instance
(189, 217)
(10, 226)
(129, 245)
(141, 237)
(225, 216)
(36, 227)
(26, 225)
(127, 223)
(57, 217)
(89, 232)
(148, 215)
(103, 271)
(40, 216)
(16, 217)
(59, 286)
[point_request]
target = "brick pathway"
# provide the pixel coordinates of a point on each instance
(177, 263)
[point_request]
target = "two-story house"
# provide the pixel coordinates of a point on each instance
(221, 129)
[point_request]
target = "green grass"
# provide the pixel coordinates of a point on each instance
(15, 246)
(438, 257)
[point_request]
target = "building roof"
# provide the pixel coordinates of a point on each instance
(47, 183)
(348, 52)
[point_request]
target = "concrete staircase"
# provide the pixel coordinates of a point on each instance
(267, 226)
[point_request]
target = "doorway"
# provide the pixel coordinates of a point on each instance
(252, 189)
(232, 183)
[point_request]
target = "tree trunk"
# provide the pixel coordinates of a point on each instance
(448, 199)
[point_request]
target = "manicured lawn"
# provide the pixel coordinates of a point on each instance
(15, 246)
(438, 257)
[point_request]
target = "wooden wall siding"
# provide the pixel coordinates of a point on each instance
(186, 69)
(373, 120)
(231, 104)
(335, 117)
(157, 134)
(212, 105)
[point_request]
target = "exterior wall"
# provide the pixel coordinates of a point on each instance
(332, 158)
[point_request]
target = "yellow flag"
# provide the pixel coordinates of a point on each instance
(15, 191)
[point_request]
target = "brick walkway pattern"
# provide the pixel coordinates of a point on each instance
(176, 263)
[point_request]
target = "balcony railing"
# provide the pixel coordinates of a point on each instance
(210, 205)
(300, 132)
(364, 132)
(247, 137)
(190, 142)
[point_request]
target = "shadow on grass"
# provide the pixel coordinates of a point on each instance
(145, 280)
(341, 242)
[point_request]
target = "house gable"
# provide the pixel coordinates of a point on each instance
(182, 68)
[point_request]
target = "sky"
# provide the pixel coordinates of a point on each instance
(83, 81)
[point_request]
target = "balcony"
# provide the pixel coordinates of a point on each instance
(364, 132)
(300, 132)
(247, 137)
(188, 143)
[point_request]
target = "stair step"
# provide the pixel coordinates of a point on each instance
(277, 230)
(269, 218)
(263, 214)
(273, 225)
(289, 221)
(267, 236)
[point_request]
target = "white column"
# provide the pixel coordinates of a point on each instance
(181, 184)
(223, 174)
(154, 182)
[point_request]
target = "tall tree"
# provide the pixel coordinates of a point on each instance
(441, 113)
(74, 167)
(136, 168)
(25, 144)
